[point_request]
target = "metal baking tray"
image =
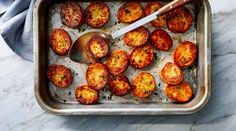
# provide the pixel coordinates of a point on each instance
(62, 102)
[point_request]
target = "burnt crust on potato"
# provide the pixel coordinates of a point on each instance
(86, 95)
(72, 14)
(143, 85)
(161, 40)
(97, 76)
(180, 20)
(117, 62)
(60, 76)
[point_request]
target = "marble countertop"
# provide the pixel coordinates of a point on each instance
(20, 111)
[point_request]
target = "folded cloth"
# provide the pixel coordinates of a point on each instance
(16, 26)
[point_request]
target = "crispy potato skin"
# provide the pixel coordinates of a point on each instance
(185, 54)
(143, 85)
(130, 12)
(180, 20)
(119, 85)
(152, 7)
(141, 56)
(179, 93)
(60, 41)
(171, 74)
(117, 62)
(136, 37)
(72, 14)
(60, 75)
(161, 40)
(86, 95)
(97, 46)
(97, 76)
(97, 14)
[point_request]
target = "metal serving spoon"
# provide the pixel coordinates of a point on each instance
(78, 51)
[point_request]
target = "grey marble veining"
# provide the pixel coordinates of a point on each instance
(20, 111)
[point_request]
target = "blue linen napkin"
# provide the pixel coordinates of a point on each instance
(16, 26)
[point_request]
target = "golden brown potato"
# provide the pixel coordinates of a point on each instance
(153, 7)
(161, 40)
(141, 56)
(97, 14)
(143, 85)
(72, 14)
(180, 20)
(171, 74)
(60, 41)
(179, 93)
(97, 76)
(185, 54)
(130, 12)
(59, 75)
(119, 85)
(86, 95)
(136, 37)
(97, 46)
(117, 62)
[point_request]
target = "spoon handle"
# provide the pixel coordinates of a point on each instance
(173, 4)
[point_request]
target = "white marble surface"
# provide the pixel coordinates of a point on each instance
(20, 111)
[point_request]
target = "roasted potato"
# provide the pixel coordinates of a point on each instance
(97, 14)
(180, 20)
(185, 54)
(97, 46)
(72, 14)
(97, 76)
(171, 74)
(86, 95)
(141, 56)
(143, 85)
(60, 41)
(119, 85)
(136, 37)
(153, 7)
(117, 62)
(161, 40)
(130, 12)
(179, 93)
(60, 75)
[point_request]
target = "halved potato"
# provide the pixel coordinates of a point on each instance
(86, 95)
(180, 20)
(130, 12)
(97, 14)
(97, 46)
(136, 37)
(60, 41)
(171, 74)
(119, 85)
(185, 54)
(60, 75)
(161, 40)
(179, 93)
(143, 85)
(72, 14)
(97, 76)
(141, 56)
(117, 62)
(153, 7)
